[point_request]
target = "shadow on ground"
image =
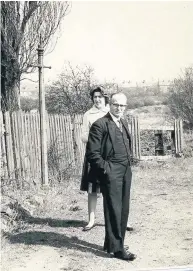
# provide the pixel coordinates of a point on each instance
(26, 217)
(58, 223)
(56, 240)
(55, 222)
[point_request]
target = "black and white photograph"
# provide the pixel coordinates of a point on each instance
(96, 131)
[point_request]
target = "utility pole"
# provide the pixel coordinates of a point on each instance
(43, 124)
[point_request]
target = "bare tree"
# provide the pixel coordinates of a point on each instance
(181, 97)
(70, 93)
(21, 24)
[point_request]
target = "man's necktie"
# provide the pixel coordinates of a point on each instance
(120, 125)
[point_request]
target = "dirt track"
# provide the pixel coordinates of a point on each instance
(161, 213)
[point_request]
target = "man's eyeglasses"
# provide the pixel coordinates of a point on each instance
(117, 105)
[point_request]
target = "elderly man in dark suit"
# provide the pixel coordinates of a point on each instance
(109, 153)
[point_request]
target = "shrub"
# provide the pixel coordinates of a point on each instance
(188, 148)
(149, 101)
(28, 104)
(180, 99)
(135, 102)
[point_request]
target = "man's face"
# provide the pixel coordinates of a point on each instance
(118, 105)
(99, 100)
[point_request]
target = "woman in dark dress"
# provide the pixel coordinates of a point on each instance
(99, 109)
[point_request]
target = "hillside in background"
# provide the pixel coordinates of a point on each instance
(153, 115)
(152, 110)
(142, 96)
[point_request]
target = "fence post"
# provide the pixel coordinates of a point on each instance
(181, 136)
(138, 138)
(135, 133)
(178, 128)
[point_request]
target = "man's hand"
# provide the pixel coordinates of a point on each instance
(93, 147)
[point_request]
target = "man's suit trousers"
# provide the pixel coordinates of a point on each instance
(116, 197)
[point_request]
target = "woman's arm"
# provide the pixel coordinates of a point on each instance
(85, 128)
(94, 144)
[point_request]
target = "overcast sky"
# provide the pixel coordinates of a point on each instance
(126, 40)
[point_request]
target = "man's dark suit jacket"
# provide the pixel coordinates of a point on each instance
(100, 149)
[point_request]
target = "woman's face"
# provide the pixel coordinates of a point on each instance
(98, 100)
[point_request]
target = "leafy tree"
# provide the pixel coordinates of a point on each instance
(21, 24)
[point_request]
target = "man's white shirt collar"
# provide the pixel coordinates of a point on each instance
(115, 119)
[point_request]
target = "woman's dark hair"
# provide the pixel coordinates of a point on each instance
(106, 100)
(98, 89)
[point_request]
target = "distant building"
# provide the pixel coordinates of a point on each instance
(161, 85)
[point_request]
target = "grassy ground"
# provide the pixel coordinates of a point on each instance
(51, 237)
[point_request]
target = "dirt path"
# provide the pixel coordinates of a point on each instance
(161, 213)
(43, 258)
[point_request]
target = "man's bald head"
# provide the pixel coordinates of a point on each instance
(118, 103)
(119, 95)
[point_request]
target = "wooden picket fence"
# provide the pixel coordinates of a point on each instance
(20, 144)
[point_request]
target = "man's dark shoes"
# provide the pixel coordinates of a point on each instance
(126, 256)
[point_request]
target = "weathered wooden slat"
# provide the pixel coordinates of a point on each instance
(25, 149)
(47, 128)
(4, 170)
(78, 142)
(176, 134)
(181, 136)
(21, 144)
(67, 138)
(34, 144)
(30, 145)
(66, 142)
(9, 147)
(62, 138)
(54, 130)
(77, 122)
(38, 144)
(16, 146)
(33, 158)
(178, 129)
(83, 146)
(138, 137)
(60, 144)
(50, 130)
(133, 135)
(60, 150)
(57, 132)
(70, 142)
